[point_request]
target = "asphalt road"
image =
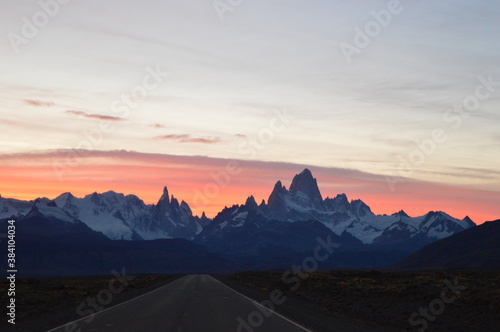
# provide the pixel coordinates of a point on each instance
(193, 303)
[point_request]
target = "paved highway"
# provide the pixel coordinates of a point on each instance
(194, 303)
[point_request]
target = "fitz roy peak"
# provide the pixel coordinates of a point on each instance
(352, 221)
(304, 190)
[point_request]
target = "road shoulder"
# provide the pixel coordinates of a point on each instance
(304, 313)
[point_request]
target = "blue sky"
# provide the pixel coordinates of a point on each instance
(228, 77)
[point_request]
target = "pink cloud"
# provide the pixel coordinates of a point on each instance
(38, 103)
(94, 116)
(157, 125)
(185, 138)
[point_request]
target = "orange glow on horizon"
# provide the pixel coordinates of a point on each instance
(206, 185)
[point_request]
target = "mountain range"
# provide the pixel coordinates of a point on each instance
(115, 215)
(271, 234)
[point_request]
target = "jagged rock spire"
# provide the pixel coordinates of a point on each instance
(306, 183)
(251, 203)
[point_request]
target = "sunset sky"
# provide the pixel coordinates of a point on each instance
(131, 96)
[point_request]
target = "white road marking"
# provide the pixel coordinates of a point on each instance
(260, 305)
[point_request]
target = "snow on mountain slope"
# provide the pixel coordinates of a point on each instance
(121, 217)
(50, 210)
(115, 215)
(13, 208)
(104, 213)
(363, 231)
(340, 226)
(379, 222)
(439, 225)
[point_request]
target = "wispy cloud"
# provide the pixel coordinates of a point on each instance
(157, 125)
(185, 138)
(94, 116)
(38, 103)
(477, 172)
(465, 172)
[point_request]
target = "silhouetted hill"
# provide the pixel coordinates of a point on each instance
(478, 247)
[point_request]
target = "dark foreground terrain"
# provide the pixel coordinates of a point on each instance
(322, 301)
(45, 303)
(387, 300)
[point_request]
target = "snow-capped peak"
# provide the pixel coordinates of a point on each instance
(401, 213)
(49, 209)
